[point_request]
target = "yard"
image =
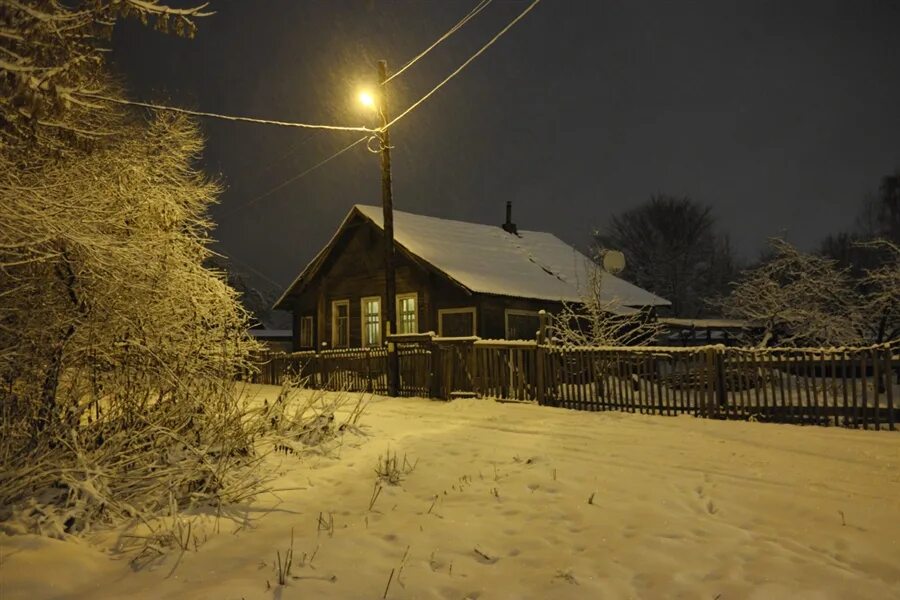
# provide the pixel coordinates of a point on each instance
(523, 501)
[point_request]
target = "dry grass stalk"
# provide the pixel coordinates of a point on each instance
(326, 524)
(388, 586)
(391, 469)
(283, 566)
(376, 491)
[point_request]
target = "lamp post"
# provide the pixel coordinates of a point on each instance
(379, 101)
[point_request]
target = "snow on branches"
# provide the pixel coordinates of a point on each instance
(51, 63)
(111, 330)
(599, 320)
(118, 349)
(801, 299)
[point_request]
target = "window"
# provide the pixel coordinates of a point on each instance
(521, 324)
(370, 311)
(306, 332)
(456, 322)
(407, 313)
(340, 323)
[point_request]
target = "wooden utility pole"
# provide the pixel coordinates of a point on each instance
(387, 203)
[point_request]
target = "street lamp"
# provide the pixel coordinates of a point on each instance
(367, 99)
(378, 101)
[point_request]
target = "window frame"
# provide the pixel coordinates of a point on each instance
(364, 323)
(398, 314)
(455, 311)
(521, 312)
(334, 318)
(306, 320)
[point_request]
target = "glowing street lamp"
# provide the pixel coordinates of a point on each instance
(366, 99)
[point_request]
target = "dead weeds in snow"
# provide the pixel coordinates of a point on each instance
(166, 475)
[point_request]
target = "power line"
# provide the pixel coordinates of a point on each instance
(401, 115)
(472, 13)
(462, 66)
(198, 113)
(292, 179)
(237, 118)
(246, 266)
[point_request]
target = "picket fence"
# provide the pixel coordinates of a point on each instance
(847, 387)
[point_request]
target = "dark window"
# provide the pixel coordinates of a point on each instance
(306, 332)
(457, 323)
(521, 326)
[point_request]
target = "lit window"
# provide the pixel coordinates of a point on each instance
(371, 320)
(306, 332)
(340, 323)
(407, 313)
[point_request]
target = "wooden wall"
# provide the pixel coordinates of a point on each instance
(354, 270)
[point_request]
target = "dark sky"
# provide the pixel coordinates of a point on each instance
(780, 115)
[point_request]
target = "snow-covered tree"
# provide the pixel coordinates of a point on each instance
(881, 293)
(799, 299)
(118, 349)
(51, 69)
(599, 319)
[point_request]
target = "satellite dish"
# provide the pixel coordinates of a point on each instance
(613, 261)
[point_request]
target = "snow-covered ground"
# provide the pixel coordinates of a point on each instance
(521, 501)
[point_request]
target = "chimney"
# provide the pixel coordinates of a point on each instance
(509, 226)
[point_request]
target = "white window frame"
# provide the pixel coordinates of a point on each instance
(334, 327)
(364, 323)
(456, 311)
(397, 314)
(306, 326)
(516, 312)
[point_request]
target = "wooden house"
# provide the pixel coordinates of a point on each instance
(453, 278)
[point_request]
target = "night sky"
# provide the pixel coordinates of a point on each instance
(781, 115)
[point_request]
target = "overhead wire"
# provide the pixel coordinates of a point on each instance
(198, 113)
(252, 269)
(482, 4)
(292, 179)
(462, 66)
(239, 118)
(472, 13)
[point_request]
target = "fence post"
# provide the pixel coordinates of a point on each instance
(369, 385)
(710, 400)
(323, 369)
(435, 375)
(539, 357)
(721, 388)
(889, 387)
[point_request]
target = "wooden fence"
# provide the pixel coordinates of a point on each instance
(843, 387)
(353, 369)
(848, 387)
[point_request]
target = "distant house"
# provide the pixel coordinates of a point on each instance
(279, 340)
(453, 278)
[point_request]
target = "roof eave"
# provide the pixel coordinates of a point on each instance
(313, 266)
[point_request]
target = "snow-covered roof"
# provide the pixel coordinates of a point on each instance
(486, 259)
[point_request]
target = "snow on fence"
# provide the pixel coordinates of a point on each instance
(354, 369)
(848, 387)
